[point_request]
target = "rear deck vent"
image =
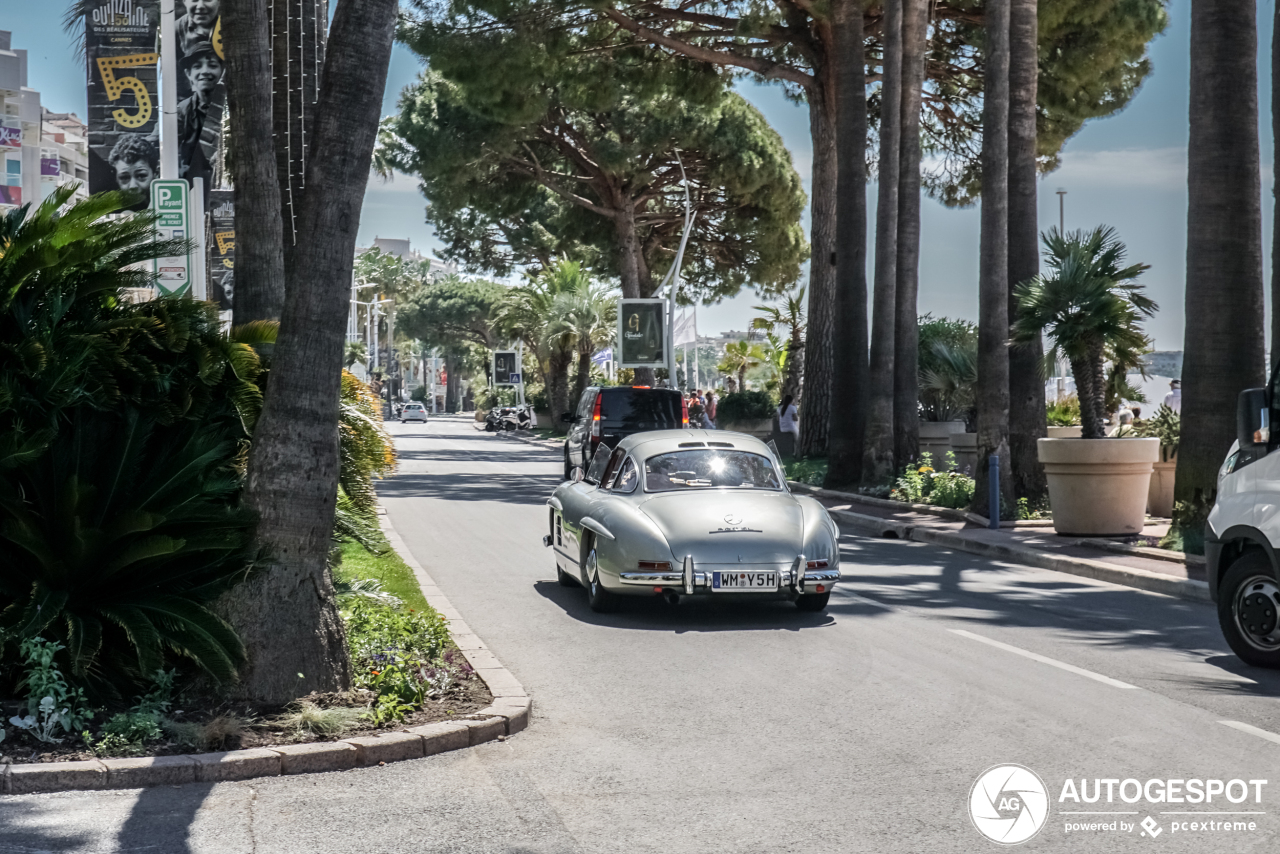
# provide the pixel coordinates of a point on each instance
(693, 444)
(720, 444)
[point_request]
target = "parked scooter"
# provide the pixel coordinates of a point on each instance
(517, 418)
(493, 420)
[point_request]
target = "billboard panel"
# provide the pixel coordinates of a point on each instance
(124, 99)
(506, 367)
(202, 93)
(642, 335)
(222, 248)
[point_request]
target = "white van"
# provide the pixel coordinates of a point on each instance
(1242, 534)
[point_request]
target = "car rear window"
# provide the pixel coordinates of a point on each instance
(641, 408)
(682, 470)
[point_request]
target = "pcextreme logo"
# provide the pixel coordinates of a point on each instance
(1009, 804)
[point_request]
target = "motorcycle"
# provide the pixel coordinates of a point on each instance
(493, 420)
(517, 418)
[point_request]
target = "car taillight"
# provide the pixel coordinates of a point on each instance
(816, 564)
(684, 411)
(655, 566)
(595, 422)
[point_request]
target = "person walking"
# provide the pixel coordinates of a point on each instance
(711, 407)
(1173, 399)
(787, 426)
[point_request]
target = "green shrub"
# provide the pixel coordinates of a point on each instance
(1165, 425)
(744, 406)
(1064, 412)
(54, 708)
(921, 484)
(397, 653)
(122, 433)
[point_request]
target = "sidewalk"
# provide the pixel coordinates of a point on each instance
(1154, 570)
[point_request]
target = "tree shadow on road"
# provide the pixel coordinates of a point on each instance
(653, 613)
(505, 488)
(979, 591)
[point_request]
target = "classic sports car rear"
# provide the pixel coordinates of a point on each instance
(684, 513)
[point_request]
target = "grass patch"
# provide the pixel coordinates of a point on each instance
(810, 470)
(394, 574)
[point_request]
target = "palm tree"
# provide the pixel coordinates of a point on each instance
(740, 357)
(993, 270)
(947, 385)
(906, 333)
(843, 340)
(356, 351)
(789, 314)
(1223, 350)
(1027, 421)
(590, 317)
(877, 465)
(1089, 305)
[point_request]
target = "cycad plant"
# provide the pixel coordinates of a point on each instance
(121, 428)
(365, 452)
(1088, 304)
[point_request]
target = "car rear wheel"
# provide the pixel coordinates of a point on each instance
(598, 599)
(813, 601)
(1249, 610)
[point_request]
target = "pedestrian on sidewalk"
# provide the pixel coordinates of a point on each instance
(711, 407)
(1173, 399)
(788, 427)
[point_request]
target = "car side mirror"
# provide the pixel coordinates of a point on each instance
(568, 418)
(1253, 418)
(577, 474)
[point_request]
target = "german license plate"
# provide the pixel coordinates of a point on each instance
(738, 581)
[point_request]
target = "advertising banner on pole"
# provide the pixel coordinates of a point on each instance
(202, 93)
(506, 367)
(171, 200)
(222, 248)
(642, 336)
(124, 101)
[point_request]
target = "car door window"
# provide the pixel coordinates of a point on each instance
(626, 479)
(587, 405)
(599, 464)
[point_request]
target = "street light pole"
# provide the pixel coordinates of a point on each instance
(1062, 212)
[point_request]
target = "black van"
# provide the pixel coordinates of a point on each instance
(608, 415)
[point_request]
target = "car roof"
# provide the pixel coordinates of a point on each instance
(663, 441)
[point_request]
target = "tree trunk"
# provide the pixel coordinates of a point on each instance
(795, 366)
(993, 260)
(452, 383)
(1223, 351)
(1027, 421)
(558, 381)
(259, 263)
(906, 335)
(297, 56)
(630, 271)
(877, 464)
(815, 398)
(584, 373)
(849, 346)
(286, 614)
(1091, 418)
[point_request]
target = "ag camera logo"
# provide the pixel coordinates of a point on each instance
(1008, 804)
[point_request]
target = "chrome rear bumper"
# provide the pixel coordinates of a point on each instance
(795, 579)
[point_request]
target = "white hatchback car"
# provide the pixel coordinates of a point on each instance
(413, 412)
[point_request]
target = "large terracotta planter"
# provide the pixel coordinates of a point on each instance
(1160, 493)
(935, 438)
(965, 447)
(1098, 487)
(1065, 432)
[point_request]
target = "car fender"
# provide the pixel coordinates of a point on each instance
(819, 529)
(633, 537)
(1240, 536)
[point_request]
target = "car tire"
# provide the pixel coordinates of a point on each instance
(814, 602)
(599, 599)
(1249, 610)
(489, 428)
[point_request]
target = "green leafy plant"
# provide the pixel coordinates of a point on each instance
(744, 406)
(1165, 425)
(54, 707)
(948, 368)
(922, 484)
(1064, 412)
(395, 652)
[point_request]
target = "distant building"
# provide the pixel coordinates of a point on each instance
(20, 129)
(64, 153)
(401, 248)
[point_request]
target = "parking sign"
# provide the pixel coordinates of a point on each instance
(169, 199)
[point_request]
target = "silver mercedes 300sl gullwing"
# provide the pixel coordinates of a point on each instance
(684, 513)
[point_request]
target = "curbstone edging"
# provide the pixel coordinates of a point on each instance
(509, 714)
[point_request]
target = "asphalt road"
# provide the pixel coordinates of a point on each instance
(707, 728)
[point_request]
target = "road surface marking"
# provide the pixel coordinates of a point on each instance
(1252, 730)
(1052, 662)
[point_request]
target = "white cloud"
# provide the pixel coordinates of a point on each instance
(1149, 168)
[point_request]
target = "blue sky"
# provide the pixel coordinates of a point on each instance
(1128, 171)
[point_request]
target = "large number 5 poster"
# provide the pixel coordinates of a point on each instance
(124, 102)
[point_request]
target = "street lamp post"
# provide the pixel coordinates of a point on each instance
(1062, 211)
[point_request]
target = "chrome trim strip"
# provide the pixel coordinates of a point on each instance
(801, 567)
(688, 575)
(596, 528)
(657, 579)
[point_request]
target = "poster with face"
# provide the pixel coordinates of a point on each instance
(201, 90)
(222, 248)
(123, 97)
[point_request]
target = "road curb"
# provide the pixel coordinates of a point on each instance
(1141, 579)
(508, 714)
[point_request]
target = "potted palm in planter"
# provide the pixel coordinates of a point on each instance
(1167, 427)
(1089, 305)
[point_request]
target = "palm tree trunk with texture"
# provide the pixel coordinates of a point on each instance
(815, 401)
(993, 261)
(1223, 348)
(1027, 419)
(849, 345)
